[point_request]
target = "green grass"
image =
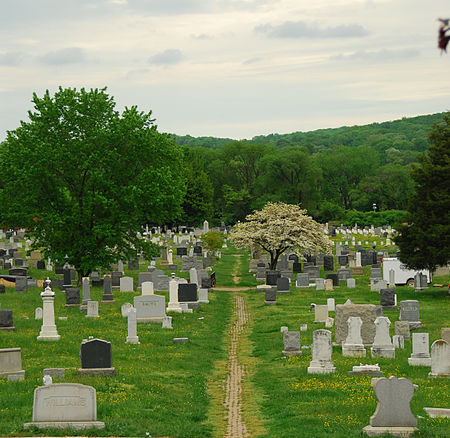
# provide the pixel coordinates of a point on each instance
(173, 390)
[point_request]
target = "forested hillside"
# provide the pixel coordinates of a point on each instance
(333, 173)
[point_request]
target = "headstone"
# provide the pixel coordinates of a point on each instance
(313, 271)
(126, 284)
(48, 329)
(72, 297)
(133, 264)
(375, 273)
(2, 288)
(174, 305)
(40, 264)
(398, 341)
(391, 278)
(147, 288)
(203, 295)
(297, 267)
(402, 328)
(367, 313)
(148, 276)
(343, 274)
(283, 285)
(382, 343)
(321, 350)
(334, 278)
(343, 260)
(150, 308)
(328, 284)
(328, 263)
(132, 337)
(270, 296)
(284, 328)
(387, 299)
(21, 284)
(86, 291)
(320, 313)
(353, 344)
(120, 267)
(38, 313)
(357, 270)
(331, 304)
(187, 293)
(320, 283)
(96, 358)
(445, 334)
(409, 311)
(107, 291)
(272, 277)
(367, 370)
(92, 309)
(124, 309)
(11, 364)
(302, 280)
(193, 276)
(291, 341)
(167, 322)
(376, 284)
(393, 413)
(351, 283)
(440, 359)
(57, 373)
(420, 355)
(65, 406)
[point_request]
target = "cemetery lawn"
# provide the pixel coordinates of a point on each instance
(162, 389)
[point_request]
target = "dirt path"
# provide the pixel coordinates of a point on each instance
(235, 426)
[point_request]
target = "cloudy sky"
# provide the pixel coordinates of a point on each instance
(230, 68)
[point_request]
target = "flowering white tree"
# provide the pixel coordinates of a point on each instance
(279, 227)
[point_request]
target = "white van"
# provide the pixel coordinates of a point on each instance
(403, 275)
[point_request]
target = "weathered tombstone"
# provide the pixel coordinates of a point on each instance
(376, 284)
(147, 288)
(351, 283)
(445, 334)
(367, 313)
(440, 359)
(382, 343)
(203, 295)
(86, 293)
(393, 413)
(343, 274)
(124, 309)
(297, 267)
(92, 309)
(343, 260)
(174, 304)
(402, 328)
(283, 285)
(328, 282)
(353, 344)
(320, 313)
(38, 313)
(115, 280)
(96, 358)
(283, 262)
(367, 370)
(72, 297)
(11, 364)
(331, 304)
(57, 373)
(409, 311)
(291, 341)
(375, 273)
(270, 296)
(148, 276)
(420, 355)
(321, 350)
(107, 297)
(167, 322)
(320, 283)
(48, 329)
(65, 405)
(313, 271)
(387, 299)
(150, 308)
(391, 277)
(302, 280)
(132, 337)
(398, 341)
(21, 284)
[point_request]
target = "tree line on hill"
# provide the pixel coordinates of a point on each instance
(340, 174)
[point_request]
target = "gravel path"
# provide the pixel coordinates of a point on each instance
(236, 427)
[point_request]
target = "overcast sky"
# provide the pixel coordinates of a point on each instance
(230, 68)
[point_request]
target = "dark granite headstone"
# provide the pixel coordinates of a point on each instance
(272, 277)
(328, 263)
(297, 267)
(283, 285)
(107, 290)
(206, 283)
(18, 262)
(334, 278)
(198, 250)
(67, 278)
(342, 260)
(181, 251)
(187, 292)
(72, 296)
(387, 299)
(2, 288)
(311, 259)
(293, 257)
(7, 265)
(115, 279)
(96, 353)
(6, 320)
(21, 272)
(59, 270)
(271, 296)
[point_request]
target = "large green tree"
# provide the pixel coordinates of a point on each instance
(424, 242)
(83, 178)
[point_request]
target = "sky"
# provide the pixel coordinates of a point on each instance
(230, 68)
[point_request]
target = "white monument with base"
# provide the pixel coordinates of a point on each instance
(48, 329)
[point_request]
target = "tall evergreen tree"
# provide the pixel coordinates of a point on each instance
(424, 241)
